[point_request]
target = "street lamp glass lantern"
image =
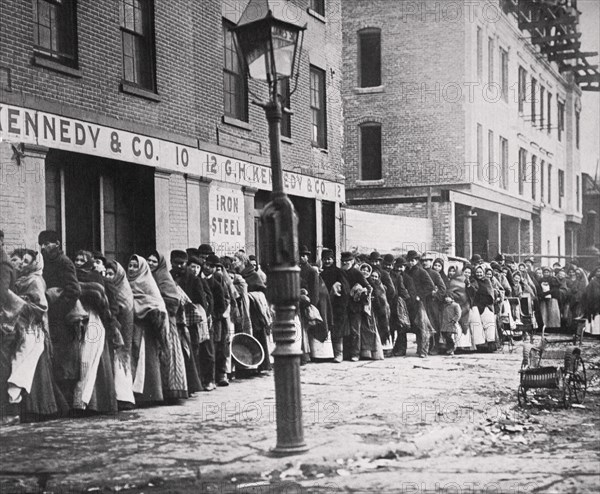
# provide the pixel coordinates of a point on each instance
(268, 41)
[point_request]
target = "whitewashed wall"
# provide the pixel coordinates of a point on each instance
(365, 232)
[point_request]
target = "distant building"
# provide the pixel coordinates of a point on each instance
(589, 235)
(468, 115)
(126, 125)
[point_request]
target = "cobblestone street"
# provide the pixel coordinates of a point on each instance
(442, 424)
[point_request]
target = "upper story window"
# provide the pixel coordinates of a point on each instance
(503, 163)
(522, 89)
(577, 120)
(369, 57)
(561, 187)
(542, 92)
(522, 169)
(533, 99)
(504, 73)
(549, 183)
(561, 119)
(235, 89)
(549, 112)
(318, 6)
(370, 151)
(533, 176)
(283, 89)
(479, 53)
(490, 60)
(138, 43)
(542, 179)
(55, 30)
(318, 107)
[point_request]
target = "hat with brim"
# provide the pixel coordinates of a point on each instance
(213, 260)
(179, 256)
(347, 256)
(305, 251)
(412, 255)
(48, 236)
(375, 256)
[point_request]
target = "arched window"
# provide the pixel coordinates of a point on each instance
(370, 151)
(369, 57)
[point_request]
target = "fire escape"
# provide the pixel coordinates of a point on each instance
(552, 25)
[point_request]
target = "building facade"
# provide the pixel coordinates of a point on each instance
(127, 125)
(465, 113)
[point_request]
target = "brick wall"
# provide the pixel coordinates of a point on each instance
(12, 202)
(421, 133)
(178, 217)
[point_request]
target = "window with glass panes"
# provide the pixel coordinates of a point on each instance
(138, 43)
(522, 169)
(317, 107)
(55, 30)
(283, 90)
(522, 88)
(504, 69)
(318, 6)
(235, 92)
(504, 163)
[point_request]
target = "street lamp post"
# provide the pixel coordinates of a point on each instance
(267, 36)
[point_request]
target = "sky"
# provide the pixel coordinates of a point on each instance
(589, 24)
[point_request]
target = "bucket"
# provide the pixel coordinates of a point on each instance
(246, 351)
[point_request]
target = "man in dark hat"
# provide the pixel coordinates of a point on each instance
(309, 276)
(476, 260)
(219, 329)
(204, 250)
(355, 307)
(424, 288)
(339, 291)
(59, 273)
(405, 288)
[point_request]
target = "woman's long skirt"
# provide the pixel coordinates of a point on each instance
(370, 341)
(476, 325)
(593, 327)
(550, 312)
(173, 364)
(145, 361)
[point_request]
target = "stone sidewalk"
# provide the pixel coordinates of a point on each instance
(397, 425)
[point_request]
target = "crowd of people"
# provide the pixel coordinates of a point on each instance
(89, 336)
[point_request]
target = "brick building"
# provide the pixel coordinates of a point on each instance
(126, 125)
(467, 114)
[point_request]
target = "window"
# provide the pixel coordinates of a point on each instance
(318, 6)
(55, 31)
(533, 98)
(549, 112)
(504, 163)
(138, 43)
(479, 54)
(283, 89)
(235, 92)
(491, 171)
(561, 187)
(522, 170)
(549, 183)
(369, 57)
(504, 76)
(561, 119)
(542, 90)
(370, 152)
(490, 60)
(542, 179)
(577, 115)
(479, 150)
(317, 106)
(522, 89)
(533, 176)
(577, 192)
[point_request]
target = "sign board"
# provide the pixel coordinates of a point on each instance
(54, 131)
(226, 219)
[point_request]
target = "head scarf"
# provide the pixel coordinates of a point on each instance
(146, 295)
(30, 285)
(118, 288)
(86, 273)
(164, 280)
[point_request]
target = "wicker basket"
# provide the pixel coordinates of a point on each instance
(541, 377)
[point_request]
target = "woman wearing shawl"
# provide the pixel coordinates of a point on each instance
(31, 381)
(590, 303)
(438, 265)
(549, 299)
(120, 298)
(174, 375)
(370, 341)
(381, 307)
(482, 295)
(577, 284)
(95, 390)
(149, 332)
(457, 287)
